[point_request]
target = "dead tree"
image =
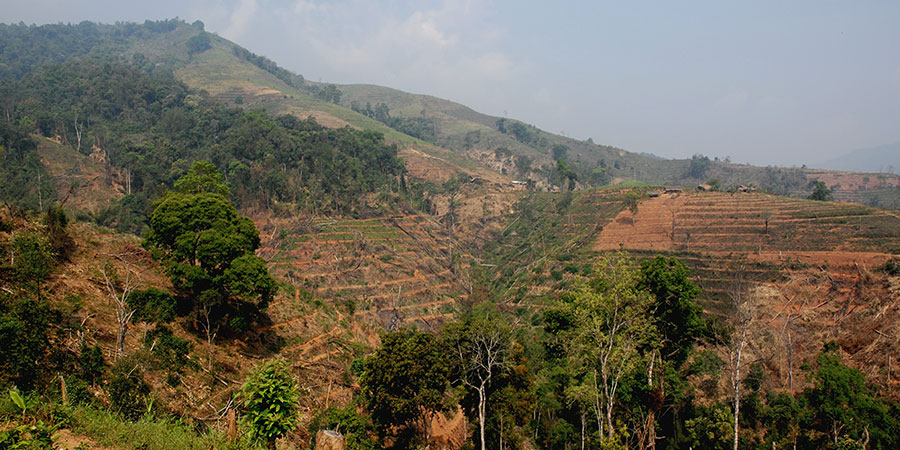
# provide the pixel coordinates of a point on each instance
(119, 296)
(483, 354)
(211, 331)
(79, 129)
(744, 318)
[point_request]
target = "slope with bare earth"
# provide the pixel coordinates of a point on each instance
(811, 269)
(82, 183)
(382, 272)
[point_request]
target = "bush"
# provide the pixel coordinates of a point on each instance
(91, 363)
(129, 394)
(269, 398)
(153, 305)
(169, 351)
(892, 267)
(147, 433)
(357, 429)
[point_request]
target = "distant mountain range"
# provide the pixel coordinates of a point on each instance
(881, 159)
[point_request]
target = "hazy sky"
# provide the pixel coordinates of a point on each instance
(766, 82)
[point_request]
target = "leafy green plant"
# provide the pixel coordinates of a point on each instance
(19, 401)
(269, 399)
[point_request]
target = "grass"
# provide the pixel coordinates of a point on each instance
(148, 433)
(836, 211)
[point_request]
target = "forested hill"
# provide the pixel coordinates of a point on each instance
(429, 131)
(149, 129)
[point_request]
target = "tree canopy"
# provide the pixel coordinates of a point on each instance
(208, 249)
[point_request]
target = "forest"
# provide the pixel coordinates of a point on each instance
(152, 128)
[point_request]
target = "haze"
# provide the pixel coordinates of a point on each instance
(784, 83)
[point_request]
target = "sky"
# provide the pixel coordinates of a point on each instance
(765, 82)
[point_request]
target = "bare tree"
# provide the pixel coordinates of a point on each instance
(744, 317)
(119, 291)
(79, 129)
(211, 329)
(483, 353)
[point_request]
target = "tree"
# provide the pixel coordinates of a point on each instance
(198, 43)
(612, 338)
(560, 152)
(152, 305)
(481, 345)
(844, 406)
(736, 338)
(32, 258)
(710, 428)
(25, 337)
(207, 249)
(820, 191)
(632, 199)
(403, 383)
(119, 292)
(699, 164)
(679, 324)
(678, 318)
(269, 399)
(203, 177)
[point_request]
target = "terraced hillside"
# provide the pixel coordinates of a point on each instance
(813, 271)
(385, 272)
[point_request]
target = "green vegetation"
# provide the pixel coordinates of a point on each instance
(269, 398)
(207, 249)
(154, 128)
(551, 344)
(403, 383)
(417, 127)
(820, 192)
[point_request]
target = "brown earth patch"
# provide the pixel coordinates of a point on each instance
(651, 228)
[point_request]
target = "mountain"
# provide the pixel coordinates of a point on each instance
(881, 159)
(438, 138)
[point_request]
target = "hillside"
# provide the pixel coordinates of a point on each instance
(813, 266)
(449, 137)
(373, 242)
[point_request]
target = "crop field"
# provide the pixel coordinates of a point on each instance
(385, 271)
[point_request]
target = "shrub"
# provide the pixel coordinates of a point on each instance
(129, 394)
(269, 398)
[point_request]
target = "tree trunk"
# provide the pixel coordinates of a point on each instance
(120, 339)
(582, 429)
(736, 384)
(481, 410)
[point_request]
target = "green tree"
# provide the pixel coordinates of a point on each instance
(632, 199)
(710, 429)
(203, 177)
(677, 317)
(820, 191)
(269, 399)
(32, 258)
(613, 336)
(152, 305)
(207, 249)
(403, 383)
(844, 406)
(198, 43)
(699, 164)
(24, 334)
